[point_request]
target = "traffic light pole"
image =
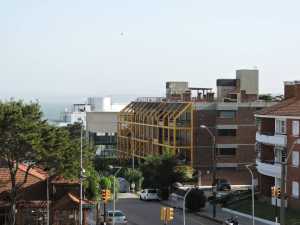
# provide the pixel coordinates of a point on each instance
(104, 209)
(283, 182)
(282, 197)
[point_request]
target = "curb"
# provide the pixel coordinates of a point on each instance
(209, 218)
(249, 216)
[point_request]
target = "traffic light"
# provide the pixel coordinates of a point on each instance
(163, 213)
(273, 190)
(278, 192)
(170, 214)
(105, 195)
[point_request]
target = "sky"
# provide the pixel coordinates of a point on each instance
(54, 50)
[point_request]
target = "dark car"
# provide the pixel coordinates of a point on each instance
(222, 185)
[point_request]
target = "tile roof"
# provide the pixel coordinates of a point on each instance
(62, 180)
(69, 201)
(288, 107)
(35, 175)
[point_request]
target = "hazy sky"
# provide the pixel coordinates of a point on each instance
(55, 48)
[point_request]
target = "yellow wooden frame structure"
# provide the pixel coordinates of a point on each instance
(150, 128)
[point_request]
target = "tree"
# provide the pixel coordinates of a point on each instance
(25, 138)
(161, 172)
(133, 176)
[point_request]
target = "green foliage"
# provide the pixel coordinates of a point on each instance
(185, 172)
(26, 138)
(133, 175)
(117, 185)
(161, 172)
(105, 183)
(265, 97)
(195, 200)
(93, 185)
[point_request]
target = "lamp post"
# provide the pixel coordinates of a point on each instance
(114, 195)
(214, 166)
(283, 182)
(183, 208)
(81, 172)
(252, 187)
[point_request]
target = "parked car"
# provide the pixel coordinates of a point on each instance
(222, 185)
(118, 215)
(149, 194)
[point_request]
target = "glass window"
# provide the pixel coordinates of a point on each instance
(295, 189)
(227, 114)
(227, 132)
(295, 158)
(226, 151)
(280, 126)
(295, 128)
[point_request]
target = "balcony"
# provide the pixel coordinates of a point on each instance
(268, 169)
(268, 138)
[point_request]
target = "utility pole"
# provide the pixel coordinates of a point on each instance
(283, 182)
(252, 188)
(213, 167)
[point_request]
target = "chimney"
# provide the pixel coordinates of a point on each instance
(289, 89)
(297, 89)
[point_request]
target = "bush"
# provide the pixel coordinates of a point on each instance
(164, 193)
(195, 200)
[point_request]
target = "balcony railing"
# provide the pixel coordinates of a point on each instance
(269, 169)
(271, 139)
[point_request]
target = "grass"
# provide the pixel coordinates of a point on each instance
(265, 210)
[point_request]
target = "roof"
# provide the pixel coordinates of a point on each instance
(288, 107)
(35, 175)
(63, 180)
(70, 201)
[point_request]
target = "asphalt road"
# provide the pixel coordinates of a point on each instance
(148, 213)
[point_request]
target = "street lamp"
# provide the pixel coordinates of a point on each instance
(252, 187)
(214, 166)
(81, 172)
(183, 208)
(114, 198)
(283, 182)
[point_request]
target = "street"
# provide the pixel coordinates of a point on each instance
(148, 213)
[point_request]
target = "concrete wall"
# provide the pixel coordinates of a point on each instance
(102, 122)
(248, 80)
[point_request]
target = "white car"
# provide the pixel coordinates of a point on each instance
(149, 194)
(118, 216)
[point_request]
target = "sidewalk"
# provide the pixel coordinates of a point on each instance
(221, 215)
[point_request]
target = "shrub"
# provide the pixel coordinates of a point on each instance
(195, 200)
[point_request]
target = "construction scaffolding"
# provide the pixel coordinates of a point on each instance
(154, 126)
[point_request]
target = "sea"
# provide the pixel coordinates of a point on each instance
(53, 111)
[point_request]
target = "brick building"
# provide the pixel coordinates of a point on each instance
(278, 128)
(32, 198)
(154, 125)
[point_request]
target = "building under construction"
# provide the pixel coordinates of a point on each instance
(152, 126)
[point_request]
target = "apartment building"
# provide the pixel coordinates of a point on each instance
(172, 123)
(278, 129)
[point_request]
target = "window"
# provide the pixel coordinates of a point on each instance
(226, 151)
(295, 159)
(280, 126)
(227, 114)
(295, 127)
(226, 132)
(295, 189)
